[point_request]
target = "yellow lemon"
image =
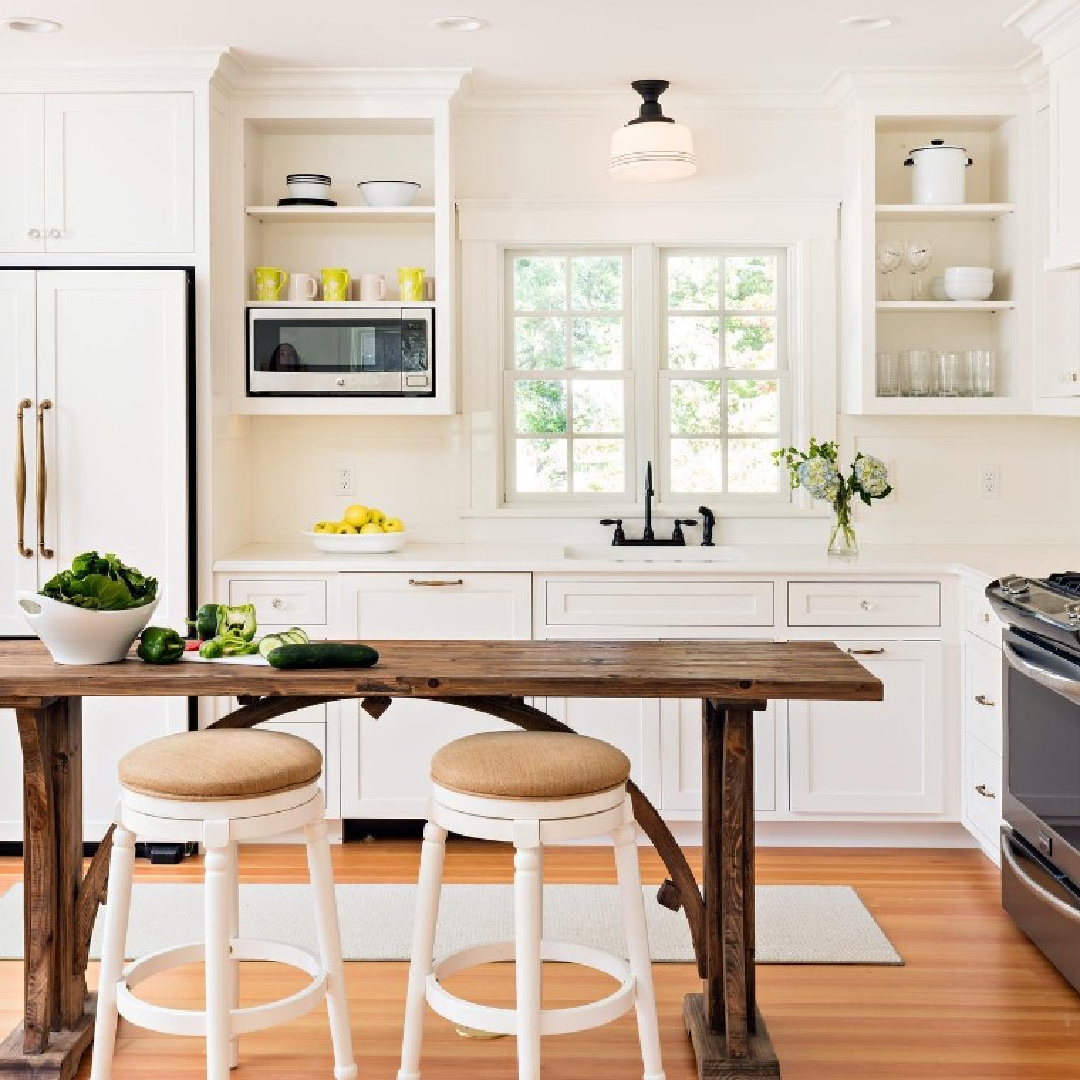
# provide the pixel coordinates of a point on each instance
(357, 515)
(324, 526)
(371, 527)
(393, 525)
(343, 527)
(376, 516)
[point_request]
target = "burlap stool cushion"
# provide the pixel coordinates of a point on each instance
(529, 765)
(233, 763)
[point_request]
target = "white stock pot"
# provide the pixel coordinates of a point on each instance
(938, 173)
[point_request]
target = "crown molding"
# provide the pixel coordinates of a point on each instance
(152, 67)
(849, 85)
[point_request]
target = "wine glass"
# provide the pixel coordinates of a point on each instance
(890, 254)
(918, 256)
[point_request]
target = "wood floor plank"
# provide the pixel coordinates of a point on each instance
(974, 1001)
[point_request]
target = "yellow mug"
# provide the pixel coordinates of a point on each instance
(335, 283)
(411, 282)
(269, 282)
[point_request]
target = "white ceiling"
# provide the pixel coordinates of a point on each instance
(701, 46)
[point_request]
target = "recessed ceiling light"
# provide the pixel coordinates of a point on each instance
(869, 22)
(458, 22)
(29, 24)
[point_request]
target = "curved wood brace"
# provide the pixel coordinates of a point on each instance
(92, 893)
(259, 710)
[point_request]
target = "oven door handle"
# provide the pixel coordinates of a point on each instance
(1062, 684)
(1033, 886)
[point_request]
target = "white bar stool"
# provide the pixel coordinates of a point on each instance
(529, 788)
(220, 787)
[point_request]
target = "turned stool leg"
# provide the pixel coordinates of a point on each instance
(121, 862)
(218, 906)
(328, 928)
(233, 873)
(637, 945)
(528, 893)
(432, 856)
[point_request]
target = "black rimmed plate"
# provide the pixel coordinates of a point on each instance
(306, 202)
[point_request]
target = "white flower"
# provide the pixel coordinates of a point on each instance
(820, 478)
(872, 476)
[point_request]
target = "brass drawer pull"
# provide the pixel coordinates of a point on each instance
(982, 699)
(866, 652)
(42, 480)
(436, 583)
(985, 617)
(985, 792)
(20, 482)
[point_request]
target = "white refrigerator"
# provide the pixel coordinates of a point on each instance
(94, 369)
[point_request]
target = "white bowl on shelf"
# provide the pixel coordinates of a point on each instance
(969, 290)
(358, 543)
(388, 192)
(75, 635)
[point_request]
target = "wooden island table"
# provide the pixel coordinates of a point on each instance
(732, 678)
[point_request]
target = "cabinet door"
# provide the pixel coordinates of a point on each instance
(385, 763)
(680, 755)
(874, 757)
(111, 358)
(1064, 160)
(119, 172)
(22, 180)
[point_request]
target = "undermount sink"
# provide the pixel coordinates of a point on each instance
(607, 552)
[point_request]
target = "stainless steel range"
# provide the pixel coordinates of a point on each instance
(1040, 840)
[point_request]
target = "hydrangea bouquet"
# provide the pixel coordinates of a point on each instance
(816, 470)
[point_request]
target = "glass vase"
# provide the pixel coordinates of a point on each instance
(842, 543)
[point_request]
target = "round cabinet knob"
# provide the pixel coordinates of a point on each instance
(33, 234)
(55, 234)
(866, 605)
(278, 603)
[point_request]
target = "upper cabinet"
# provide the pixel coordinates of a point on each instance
(907, 348)
(97, 172)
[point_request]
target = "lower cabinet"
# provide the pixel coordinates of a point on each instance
(385, 763)
(981, 713)
(874, 757)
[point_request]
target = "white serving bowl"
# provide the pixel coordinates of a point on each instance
(969, 290)
(388, 192)
(75, 635)
(358, 543)
(969, 271)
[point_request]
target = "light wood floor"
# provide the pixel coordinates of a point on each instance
(974, 999)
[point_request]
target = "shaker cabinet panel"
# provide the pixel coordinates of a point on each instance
(22, 180)
(1064, 162)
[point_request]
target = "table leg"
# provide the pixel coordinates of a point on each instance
(57, 1022)
(729, 1036)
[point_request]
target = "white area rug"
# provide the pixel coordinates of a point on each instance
(796, 924)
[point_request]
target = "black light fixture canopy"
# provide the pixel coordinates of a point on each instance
(650, 91)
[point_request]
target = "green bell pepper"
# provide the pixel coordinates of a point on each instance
(227, 644)
(205, 621)
(160, 645)
(238, 620)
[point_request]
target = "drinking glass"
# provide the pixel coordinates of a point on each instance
(918, 256)
(890, 253)
(947, 374)
(888, 375)
(915, 373)
(980, 364)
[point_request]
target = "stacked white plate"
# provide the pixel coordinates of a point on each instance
(969, 282)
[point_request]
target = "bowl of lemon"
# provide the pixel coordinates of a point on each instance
(362, 530)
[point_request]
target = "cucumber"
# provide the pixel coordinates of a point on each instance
(323, 654)
(294, 636)
(269, 643)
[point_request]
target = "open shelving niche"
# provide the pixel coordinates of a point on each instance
(364, 239)
(983, 231)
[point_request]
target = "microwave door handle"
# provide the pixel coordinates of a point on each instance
(1044, 676)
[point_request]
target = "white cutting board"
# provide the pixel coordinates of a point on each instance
(254, 658)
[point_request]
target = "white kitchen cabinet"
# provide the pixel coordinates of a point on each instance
(385, 763)
(1063, 204)
(106, 349)
(93, 172)
(866, 758)
(680, 756)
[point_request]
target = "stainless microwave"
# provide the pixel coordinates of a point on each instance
(321, 351)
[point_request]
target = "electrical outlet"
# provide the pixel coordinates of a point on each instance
(989, 481)
(344, 480)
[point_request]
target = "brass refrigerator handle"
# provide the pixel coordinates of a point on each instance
(20, 482)
(42, 479)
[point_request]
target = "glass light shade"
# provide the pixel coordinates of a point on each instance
(655, 150)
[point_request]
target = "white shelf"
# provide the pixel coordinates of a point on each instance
(945, 306)
(942, 406)
(430, 304)
(339, 215)
(955, 212)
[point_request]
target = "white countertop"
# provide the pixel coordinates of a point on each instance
(987, 561)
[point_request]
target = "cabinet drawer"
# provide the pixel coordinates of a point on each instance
(864, 603)
(980, 618)
(983, 795)
(982, 691)
(281, 602)
(659, 603)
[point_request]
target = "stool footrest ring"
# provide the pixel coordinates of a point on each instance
(241, 1021)
(552, 1021)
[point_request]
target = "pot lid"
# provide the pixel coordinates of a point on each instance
(937, 144)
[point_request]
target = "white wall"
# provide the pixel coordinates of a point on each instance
(418, 468)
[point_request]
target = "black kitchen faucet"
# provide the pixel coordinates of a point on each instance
(648, 537)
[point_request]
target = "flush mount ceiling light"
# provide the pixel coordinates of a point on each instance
(458, 22)
(869, 22)
(651, 146)
(29, 24)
